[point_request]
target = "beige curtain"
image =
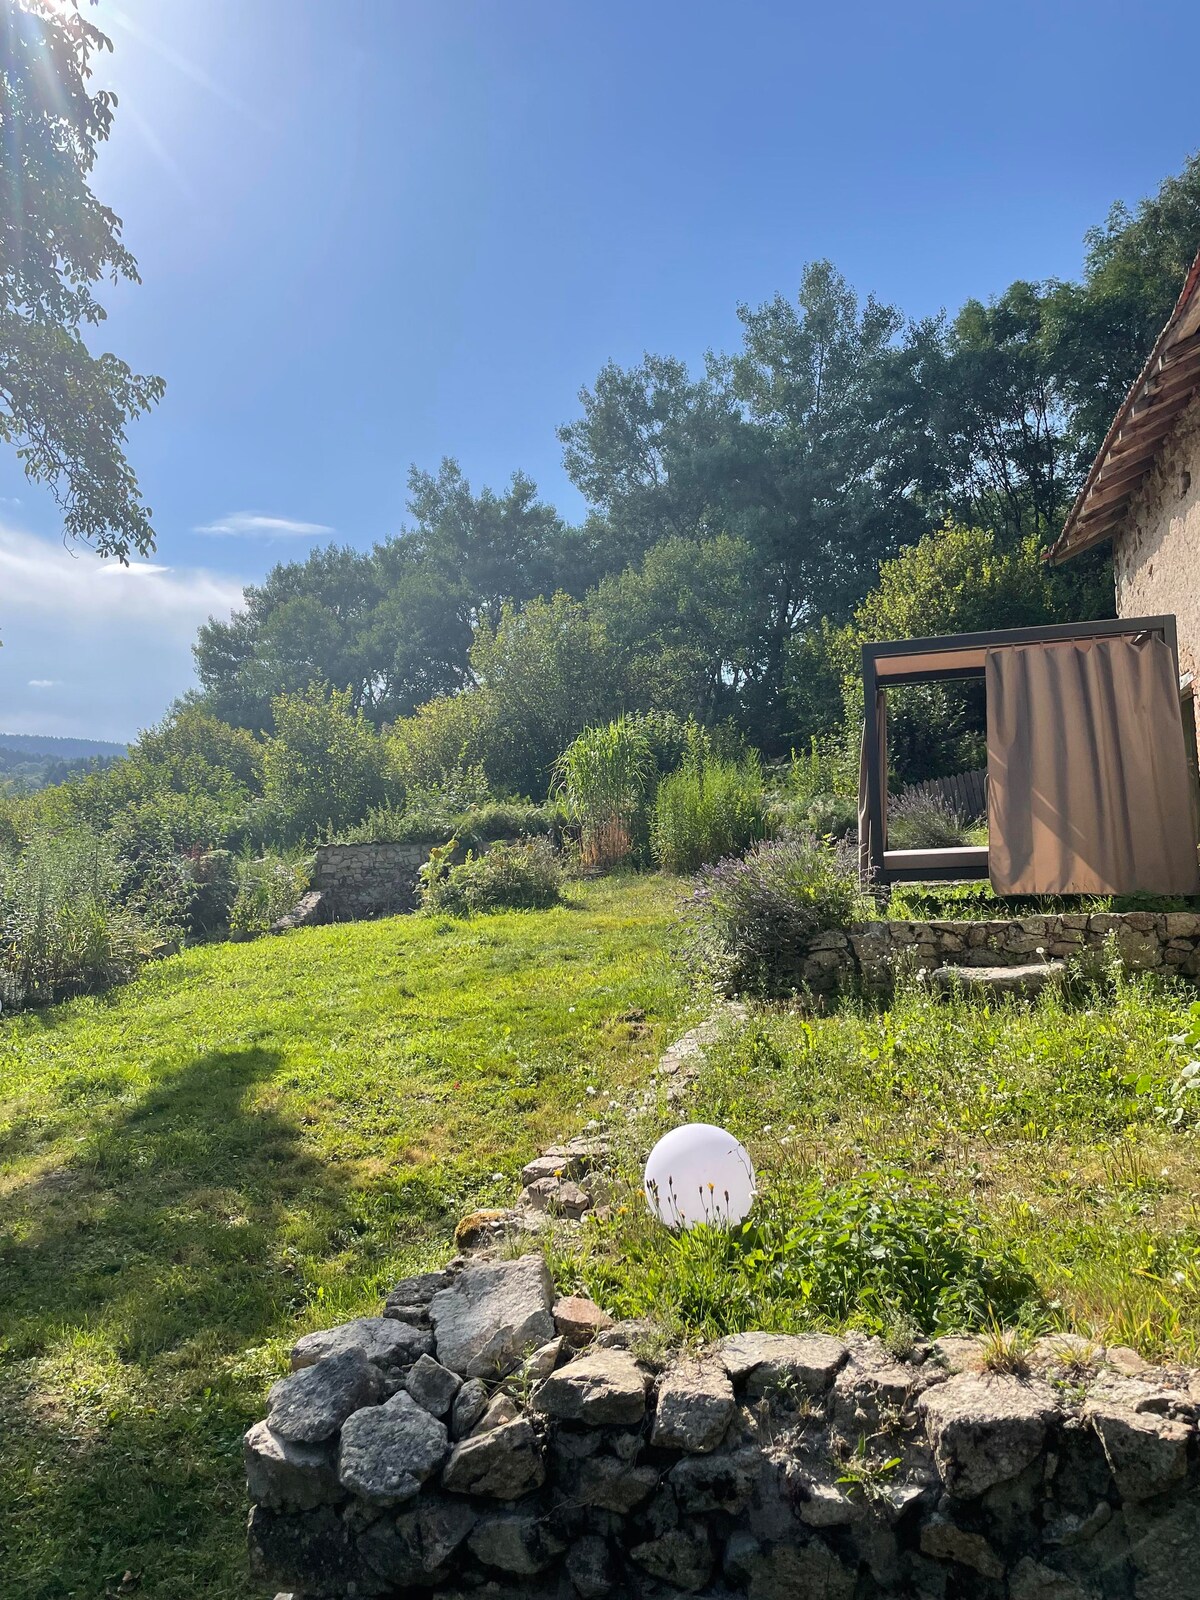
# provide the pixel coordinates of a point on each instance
(1089, 790)
(864, 816)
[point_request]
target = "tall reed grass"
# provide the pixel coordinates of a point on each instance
(62, 928)
(707, 811)
(603, 777)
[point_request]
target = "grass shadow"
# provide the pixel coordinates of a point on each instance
(137, 1279)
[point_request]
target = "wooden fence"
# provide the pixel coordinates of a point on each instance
(966, 792)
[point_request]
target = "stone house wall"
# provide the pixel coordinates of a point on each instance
(1156, 554)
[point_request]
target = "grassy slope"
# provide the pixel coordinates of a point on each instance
(1064, 1126)
(249, 1141)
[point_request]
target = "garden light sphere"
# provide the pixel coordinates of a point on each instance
(699, 1173)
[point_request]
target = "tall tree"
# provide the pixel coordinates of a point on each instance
(65, 408)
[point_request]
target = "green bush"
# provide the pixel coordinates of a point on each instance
(828, 816)
(62, 929)
(707, 811)
(752, 918)
(324, 768)
(524, 876)
(268, 886)
(877, 1250)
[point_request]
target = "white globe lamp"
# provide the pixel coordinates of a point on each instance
(699, 1173)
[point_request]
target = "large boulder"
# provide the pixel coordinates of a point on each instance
(602, 1387)
(985, 1430)
(310, 1406)
(388, 1451)
(494, 1314)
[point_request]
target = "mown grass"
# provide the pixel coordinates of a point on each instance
(249, 1141)
(252, 1140)
(943, 1163)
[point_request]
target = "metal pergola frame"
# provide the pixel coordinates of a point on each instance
(883, 668)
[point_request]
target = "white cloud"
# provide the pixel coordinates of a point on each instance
(252, 525)
(114, 642)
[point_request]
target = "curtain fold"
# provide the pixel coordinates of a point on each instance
(1089, 787)
(864, 813)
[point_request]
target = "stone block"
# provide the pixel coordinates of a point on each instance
(309, 1406)
(494, 1314)
(984, 1429)
(503, 1464)
(604, 1386)
(695, 1407)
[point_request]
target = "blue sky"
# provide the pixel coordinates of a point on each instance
(377, 232)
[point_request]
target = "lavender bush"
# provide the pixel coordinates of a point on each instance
(751, 917)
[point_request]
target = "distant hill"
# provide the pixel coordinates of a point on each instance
(35, 760)
(56, 749)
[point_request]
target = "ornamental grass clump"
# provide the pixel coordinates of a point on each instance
(62, 928)
(603, 777)
(707, 811)
(752, 918)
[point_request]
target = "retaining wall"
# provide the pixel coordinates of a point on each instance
(870, 953)
(367, 880)
(394, 1461)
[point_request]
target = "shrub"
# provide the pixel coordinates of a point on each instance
(707, 811)
(751, 918)
(268, 886)
(922, 819)
(603, 776)
(828, 816)
(325, 767)
(523, 876)
(62, 930)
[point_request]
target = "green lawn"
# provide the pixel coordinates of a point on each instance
(253, 1140)
(249, 1141)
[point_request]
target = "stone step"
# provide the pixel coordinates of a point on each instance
(987, 981)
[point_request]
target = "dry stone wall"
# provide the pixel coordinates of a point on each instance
(870, 954)
(462, 1444)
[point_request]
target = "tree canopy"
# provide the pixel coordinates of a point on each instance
(743, 521)
(64, 407)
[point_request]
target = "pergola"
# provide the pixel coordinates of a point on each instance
(963, 656)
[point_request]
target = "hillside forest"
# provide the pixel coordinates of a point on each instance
(843, 474)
